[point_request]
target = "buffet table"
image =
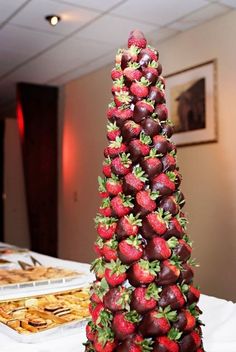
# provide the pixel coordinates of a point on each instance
(218, 315)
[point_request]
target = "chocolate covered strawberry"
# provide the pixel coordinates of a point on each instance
(158, 221)
(113, 185)
(171, 296)
(132, 72)
(145, 202)
(122, 114)
(147, 55)
(140, 88)
(186, 275)
(109, 250)
(142, 109)
(170, 204)
(140, 147)
(117, 298)
(151, 126)
(125, 324)
(115, 273)
(182, 249)
(130, 130)
(121, 165)
(162, 112)
(156, 94)
(192, 294)
(151, 164)
(143, 272)
(157, 248)
(121, 205)
(106, 226)
(164, 183)
(190, 342)
(150, 72)
(167, 130)
(185, 321)
(113, 131)
(160, 144)
(144, 299)
(134, 181)
(168, 162)
(168, 343)
(130, 250)
(135, 343)
(128, 226)
(170, 272)
(115, 148)
(176, 227)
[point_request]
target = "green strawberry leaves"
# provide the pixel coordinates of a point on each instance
(170, 315)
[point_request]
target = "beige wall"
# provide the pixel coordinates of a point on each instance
(15, 215)
(209, 171)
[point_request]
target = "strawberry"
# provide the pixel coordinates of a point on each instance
(150, 126)
(116, 72)
(140, 147)
(122, 97)
(96, 311)
(170, 204)
(89, 346)
(178, 178)
(151, 164)
(168, 162)
(115, 148)
(98, 267)
(183, 250)
(162, 112)
(133, 52)
(160, 144)
(109, 250)
(102, 187)
(98, 245)
(132, 73)
(117, 298)
(157, 322)
(113, 131)
(185, 321)
(193, 294)
(140, 88)
(105, 208)
(130, 130)
(157, 95)
(176, 227)
(144, 299)
(179, 198)
(135, 343)
(104, 340)
(121, 205)
(118, 56)
(113, 185)
(142, 109)
(130, 250)
(90, 331)
(106, 168)
(111, 110)
(125, 323)
(128, 226)
(147, 55)
(150, 72)
(186, 275)
(137, 38)
(143, 272)
(164, 183)
(98, 290)
(106, 226)
(157, 248)
(190, 342)
(167, 343)
(118, 85)
(121, 164)
(171, 296)
(170, 272)
(122, 114)
(167, 130)
(134, 181)
(145, 202)
(115, 273)
(159, 221)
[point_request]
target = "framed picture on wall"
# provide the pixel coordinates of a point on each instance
(191, 99)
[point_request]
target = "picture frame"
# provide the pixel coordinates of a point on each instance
(191, 100)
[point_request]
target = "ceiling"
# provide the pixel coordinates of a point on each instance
(87, 37)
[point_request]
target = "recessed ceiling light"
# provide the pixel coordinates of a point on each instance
(53, 19)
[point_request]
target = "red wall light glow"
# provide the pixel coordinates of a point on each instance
(20, 120)
(68, 154)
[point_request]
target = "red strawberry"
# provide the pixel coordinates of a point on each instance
(137, 38)
(140, 88)
(133, 52)
(130, 130)
(118, 56)
(157, 322)
(98, 267)
(162, 112)
(115, 148)
(183, 250)
(165, 344)
(122, 97)
(164, 183)
(145, 202)
(158, 221)
(115, 273)
(130, 250)
(132, 73)
(144, 299)
(118, 85)
(176, 227)
(170, 204)
(171, 296)
(109, 250)
(116, 72)
(193, 294)
(122, 114)
(97, 310)
(128, 226)
(106, 226)
(150, 72)
(169, 273)
(135, 343)
(111, 110)
(157, 248)
(113, 185)
(124, 324)
(151, 164)
(143, 272)
(106, 168)
(151, 126)
(98, 245)
(190, 342)
(121, 165)
(117, 298)
(104, 340)
(142, 109)
(102, 187)
(105, 208)
(90, 331)
(98, 290)
(187, 274)
(157, 95)
(134, 181)
(121, 205)
(140, 147)
(113, 131)
(185, 321)
(160, 144)
(168, 162)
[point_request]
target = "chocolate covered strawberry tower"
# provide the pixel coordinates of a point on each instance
(143, 298)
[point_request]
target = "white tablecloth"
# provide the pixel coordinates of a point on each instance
(218, 315)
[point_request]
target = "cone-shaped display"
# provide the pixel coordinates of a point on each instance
(143, 298)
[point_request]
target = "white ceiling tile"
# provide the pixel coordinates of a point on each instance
(158, 12)
(112, 29)
(102, 5)
(8, 7)
(231, 3)
(161, 34)
(9, 59)
(24, 40)
(72, 18)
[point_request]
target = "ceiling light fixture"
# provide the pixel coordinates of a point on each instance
(53, 19)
